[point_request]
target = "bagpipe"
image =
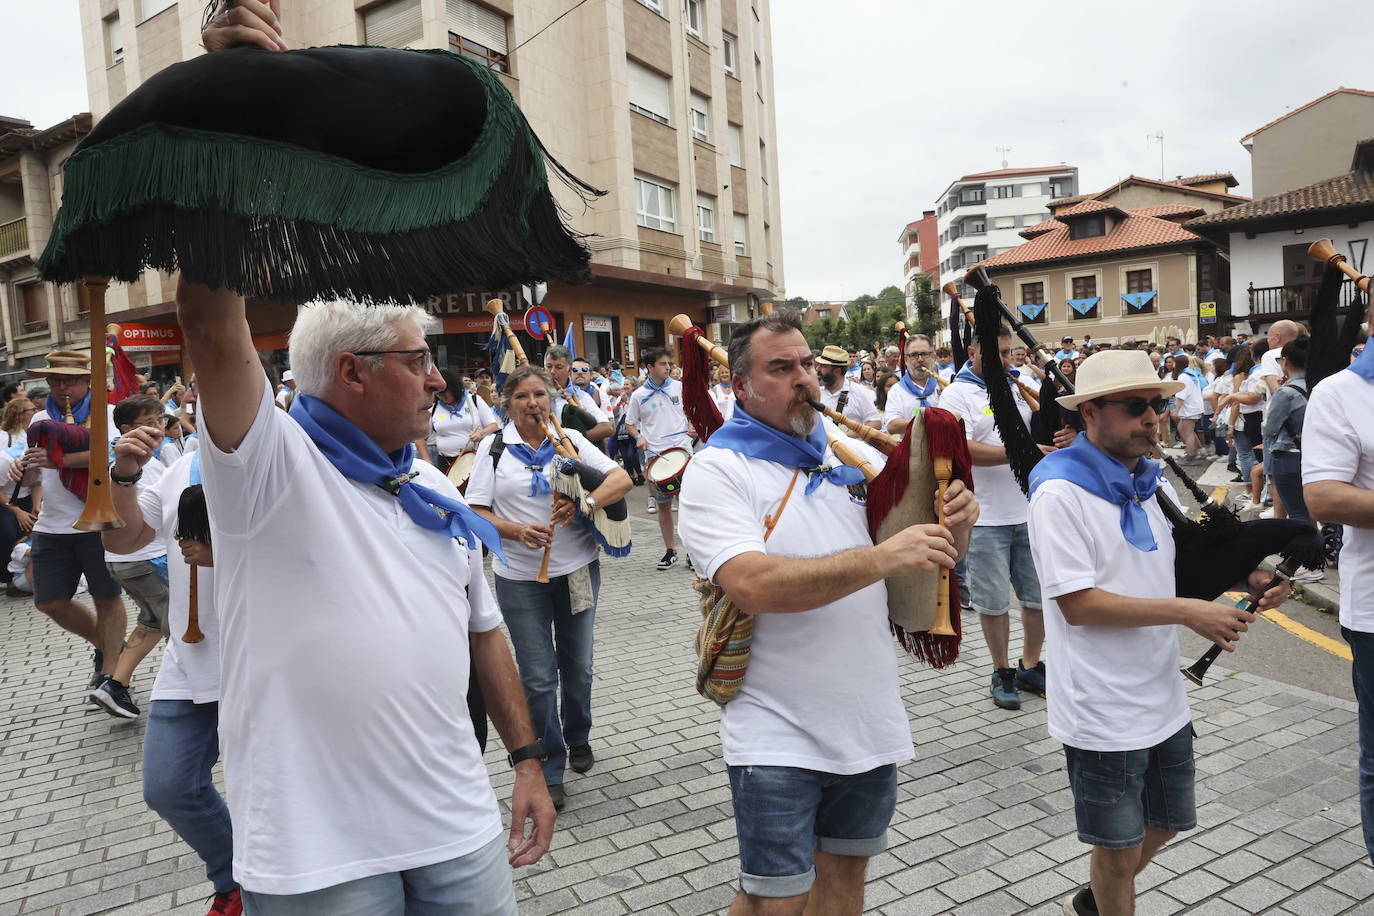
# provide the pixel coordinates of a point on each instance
(1212, 553)
(289, 202)
(930, 454)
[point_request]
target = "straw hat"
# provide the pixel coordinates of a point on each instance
(1114, 371)
(63, 362)
(834, 356)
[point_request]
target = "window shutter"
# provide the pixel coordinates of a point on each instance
(394, 25)
(649, 90)
(477, 23)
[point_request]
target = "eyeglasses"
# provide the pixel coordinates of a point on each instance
(1136, 407)
(584, 369)
(916, 354)
(421, 360)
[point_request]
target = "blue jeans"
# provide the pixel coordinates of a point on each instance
(552, 645)
(1362, 676)
(999, 557)
(477, 884)
(1245, 453)
(1286, 470)
(180, 748)
(1117, 794)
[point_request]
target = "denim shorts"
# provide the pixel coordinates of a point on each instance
(1117, 794)
(784, 814)
(999, 557)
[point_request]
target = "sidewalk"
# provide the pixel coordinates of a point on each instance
(984, 822)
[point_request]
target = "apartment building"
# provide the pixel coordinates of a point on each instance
(667, 105)
(920, 245)
(979, 215)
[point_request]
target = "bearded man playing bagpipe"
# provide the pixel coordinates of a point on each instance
(813, 737)
(1105, 556)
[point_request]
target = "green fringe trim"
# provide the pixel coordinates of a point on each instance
(194, 169)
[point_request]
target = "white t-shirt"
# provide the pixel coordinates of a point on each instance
(1269, 365)
(1338, 444)
(999, 496)
(1189, 398)
(348, 748)
(947, 373)
(1109, 688)
(451, 427)
(902, 404)
(61, 508)
(584, 401)
(658, 416)
(190, 671)
(724, 396)
(821, 691)
(507, 493)
(153, 473)
(5, 461)
(19, 558)
(860, 406)
(1253, 384)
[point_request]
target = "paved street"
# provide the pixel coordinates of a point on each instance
(984, 822)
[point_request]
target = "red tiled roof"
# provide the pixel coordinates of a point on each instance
(1135, 232)
(1207, 179)
(1087, 206)
(1304, 107)
(1005, 173)
(1136, 179)
(1168, 211)
(1353, 189)
(1031, 232)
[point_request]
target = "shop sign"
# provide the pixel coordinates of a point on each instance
(721, 314)
(147, 338)
(1207, 312)
(595, 323)
(629, 349)
(470, 303)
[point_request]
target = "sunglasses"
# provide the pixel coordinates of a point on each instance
(1136, 407)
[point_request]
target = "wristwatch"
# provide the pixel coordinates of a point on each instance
(532, 751)
(591, 503)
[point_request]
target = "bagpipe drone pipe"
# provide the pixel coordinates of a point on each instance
(1212, 554)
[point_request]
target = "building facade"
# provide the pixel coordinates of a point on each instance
(1310, 143)
(920, 245)
(666, 106)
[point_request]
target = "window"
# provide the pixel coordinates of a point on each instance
(694, 16)
(654, 204)
(649, 92)
(477, 33)
(1088, 227)
(1004, 191)
(1004, 222)
(706, 217)
(150, 8)
(655, 5)
(763, 160)
(736, 146)
(701, 117)
(728, 53)
(975, 226)
(35, 299)
(971, 195)
(1084, 287)
(114, 41)
(1061, 189)
(1033, 190)
(1140, 281)
(394, 25)
(1084, 291)
(741, 235)
(1032, 293)
(1032, 306)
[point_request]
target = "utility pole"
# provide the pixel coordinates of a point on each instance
(1159, 137)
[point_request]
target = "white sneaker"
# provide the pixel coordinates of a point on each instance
(1267, 513)
(653, 504)
(1308, 575)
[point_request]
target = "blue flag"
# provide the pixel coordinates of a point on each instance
(569, 343)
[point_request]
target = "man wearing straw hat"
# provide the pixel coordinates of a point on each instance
(1116, 700)
(61, 554)
(844, 395)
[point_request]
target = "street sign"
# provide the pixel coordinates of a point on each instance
(1207, 312)
(536, 317)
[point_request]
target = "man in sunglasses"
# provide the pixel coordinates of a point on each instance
(1105, 556)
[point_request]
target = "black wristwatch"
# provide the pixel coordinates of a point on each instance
(532, 751)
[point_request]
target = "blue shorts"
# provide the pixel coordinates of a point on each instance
(1117, 794)
(999, 557)
(784, 814)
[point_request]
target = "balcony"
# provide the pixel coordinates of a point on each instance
(14, 237)
(1275, 303)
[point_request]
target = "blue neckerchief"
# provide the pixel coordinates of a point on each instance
(195, 469)
(1364, 366)
(747, 436)
(921, 394)
(534, 462)
(1085, 465)
(657, 389)
(359, 458)
(1197, 376)
(456, 410)
(967, 374)
(591, 389)
(159, 564)
(81, 410)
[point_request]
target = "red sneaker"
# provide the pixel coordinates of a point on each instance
(230, 904)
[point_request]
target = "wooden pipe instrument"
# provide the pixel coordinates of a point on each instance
(679, 324)
(1030, 395)
(1322, 250)
(883, 442)
(944, 472)
(99, 512)
(497, 308)
(847, 455)
(565, 447)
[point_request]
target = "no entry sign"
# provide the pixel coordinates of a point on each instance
(536, 317)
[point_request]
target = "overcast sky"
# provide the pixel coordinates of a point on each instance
(882, 103)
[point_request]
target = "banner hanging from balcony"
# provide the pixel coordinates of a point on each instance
(1031, 310)
(1138, 301)
(1084, 306)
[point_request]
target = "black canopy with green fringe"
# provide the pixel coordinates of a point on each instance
(365, 173)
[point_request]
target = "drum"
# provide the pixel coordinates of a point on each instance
(665, 469)
(462, 469)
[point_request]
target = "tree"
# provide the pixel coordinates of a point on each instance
(796, 302)
(927, 307)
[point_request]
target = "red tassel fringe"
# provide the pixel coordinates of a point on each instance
(125, 373)
(697, 403)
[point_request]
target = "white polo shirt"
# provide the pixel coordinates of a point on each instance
(999, 495)
(61, 508)
(821, 691)
(860, 406)
(348, 747)
(902, 404)
(1338, 444)
(658, 416)
(1108, 688)
(450, 427)
(507, 493)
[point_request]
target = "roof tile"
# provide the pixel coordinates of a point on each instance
(1352, 189)
(1136, 231)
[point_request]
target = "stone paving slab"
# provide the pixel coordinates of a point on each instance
(984, 822)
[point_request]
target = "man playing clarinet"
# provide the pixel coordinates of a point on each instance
(814, 735)
(1116, 699)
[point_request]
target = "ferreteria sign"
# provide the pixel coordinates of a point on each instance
(472, 303)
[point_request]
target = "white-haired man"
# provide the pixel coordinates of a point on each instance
(346, 606)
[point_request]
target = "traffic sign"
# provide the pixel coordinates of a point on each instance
(536, 317)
